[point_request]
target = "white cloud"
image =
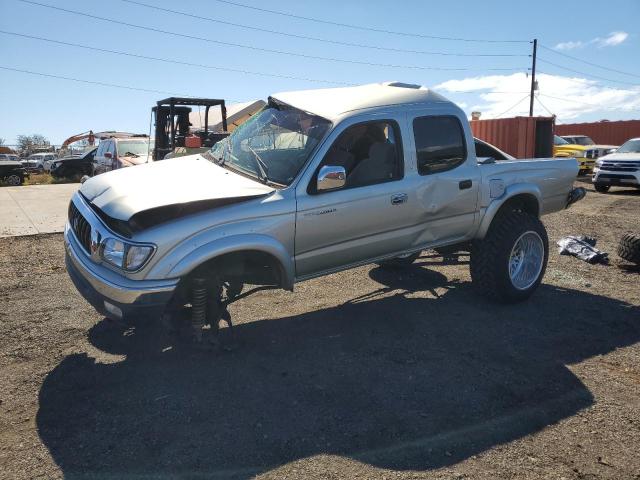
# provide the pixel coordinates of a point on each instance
(611, 40)
(614, 38)
(569, 45)
(566, 97)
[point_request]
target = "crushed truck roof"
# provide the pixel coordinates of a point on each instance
(331, 103)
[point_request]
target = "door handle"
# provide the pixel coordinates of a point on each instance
(399, 198)
(464, 184)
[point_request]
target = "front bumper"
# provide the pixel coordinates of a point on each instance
(622, 179)
(586, 165)
(111, 294)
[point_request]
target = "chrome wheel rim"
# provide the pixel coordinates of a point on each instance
(526, 259)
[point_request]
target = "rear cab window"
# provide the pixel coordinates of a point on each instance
(440, 143)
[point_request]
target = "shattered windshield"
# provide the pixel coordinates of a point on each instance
(273, 145)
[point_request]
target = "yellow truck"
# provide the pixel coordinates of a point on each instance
(582, 148)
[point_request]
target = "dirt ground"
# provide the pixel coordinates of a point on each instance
(368, 373)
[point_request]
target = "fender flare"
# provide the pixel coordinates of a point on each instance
(238, 243)
(512, 191)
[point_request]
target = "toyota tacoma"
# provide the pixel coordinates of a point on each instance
(317, 182)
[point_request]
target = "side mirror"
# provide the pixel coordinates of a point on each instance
(108, 155)
(331, 177)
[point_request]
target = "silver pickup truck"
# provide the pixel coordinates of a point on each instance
(316, 182)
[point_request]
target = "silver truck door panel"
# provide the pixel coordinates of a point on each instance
(343, 227)
(446, 201)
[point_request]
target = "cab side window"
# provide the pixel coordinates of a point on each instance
(370, 153)
(440, 144)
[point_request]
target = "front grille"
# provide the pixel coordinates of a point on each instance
(592, 154)
(80, 227)
(620, 167)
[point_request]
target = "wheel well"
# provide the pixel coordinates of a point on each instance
(251, 267)
(523, 202)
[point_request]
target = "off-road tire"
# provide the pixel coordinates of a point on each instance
(399, 262)
(629, 248)
(601, 188)
(490, 257)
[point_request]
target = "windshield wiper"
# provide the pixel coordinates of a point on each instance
(130, 154)
(262, 167)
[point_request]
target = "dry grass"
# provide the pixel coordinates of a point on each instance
(43, 179)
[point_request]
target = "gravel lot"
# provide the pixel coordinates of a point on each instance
(363, 374)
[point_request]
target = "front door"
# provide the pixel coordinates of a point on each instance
(363, 219)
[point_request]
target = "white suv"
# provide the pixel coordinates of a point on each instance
(621, 168)
(42, 161)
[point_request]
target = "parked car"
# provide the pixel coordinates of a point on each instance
(621, 168)
(40, 162)
(115, 153)
(594, 150)
(74, 165)
(564, 149)
(378, 173)
(9, 157)
(12, 172)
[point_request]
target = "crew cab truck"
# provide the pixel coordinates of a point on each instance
(317, 182)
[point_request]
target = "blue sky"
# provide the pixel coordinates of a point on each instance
(604, 33)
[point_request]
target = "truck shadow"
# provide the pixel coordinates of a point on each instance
(389, 379)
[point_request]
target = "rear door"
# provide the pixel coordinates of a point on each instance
(448, 177)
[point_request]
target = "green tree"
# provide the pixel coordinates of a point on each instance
(28, 142)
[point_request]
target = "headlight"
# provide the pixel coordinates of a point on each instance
(113, 252)
(579, 154)
(598, 163)
(125, 256)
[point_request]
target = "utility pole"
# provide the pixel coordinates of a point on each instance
(533, 76)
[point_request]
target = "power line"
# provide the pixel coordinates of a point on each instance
(513, 106)
(543, 106)
(166, 60)
(79, 80)
(588, 63)
(251, 47)
(370, 29)
(318, 39)
(482, 93)
(586, 74)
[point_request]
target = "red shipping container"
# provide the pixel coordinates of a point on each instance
(603, 133)
(522, 137)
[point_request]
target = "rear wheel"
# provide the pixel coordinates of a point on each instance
(509, 263)
(600, 187)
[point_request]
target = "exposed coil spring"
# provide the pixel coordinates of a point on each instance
(199, 307)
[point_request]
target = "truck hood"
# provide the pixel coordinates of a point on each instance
(130, 160)
(169, 188)
(618, 157)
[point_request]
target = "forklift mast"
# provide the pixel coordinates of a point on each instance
(172, 124)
